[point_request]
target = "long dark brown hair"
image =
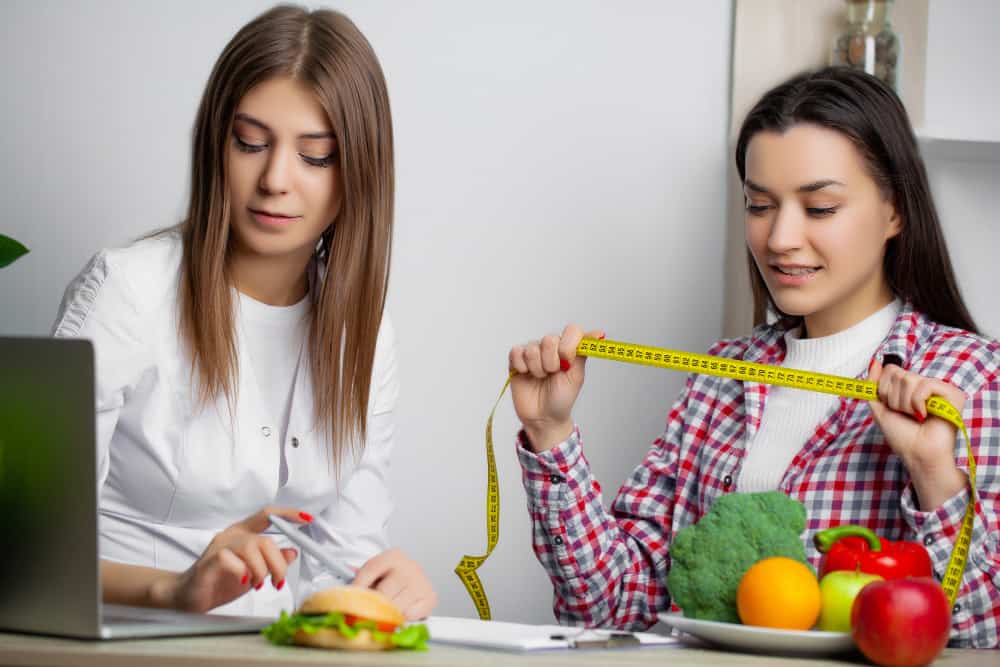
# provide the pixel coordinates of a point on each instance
(326, 52)
(869, 113)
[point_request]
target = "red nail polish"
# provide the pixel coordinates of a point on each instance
(245, 579)
(563, 364)
(279, 585)
(306, 516)
(601, 337)
(920, 418)
(258, 585)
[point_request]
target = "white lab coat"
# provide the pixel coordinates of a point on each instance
(170, 476)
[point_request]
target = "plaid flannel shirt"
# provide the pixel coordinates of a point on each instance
(609, 568)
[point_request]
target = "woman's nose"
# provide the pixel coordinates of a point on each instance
(277, 173)
(787, 231)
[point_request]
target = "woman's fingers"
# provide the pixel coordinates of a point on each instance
(907, 387)
(533, 358)
(251, 555)
(569, 341)
(374, 569)
(237, 558)
(231, 566)
(948, 392)
(885, 386)
(421, 607)
(908, 392)
(259, 521)
(274, 559)
(918, 398)
(516, 360)
(401, 580)
(549, 354)
(211, 581)
(393, 586)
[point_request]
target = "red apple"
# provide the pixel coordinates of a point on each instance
(901, 622)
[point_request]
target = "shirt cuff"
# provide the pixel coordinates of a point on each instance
(941, 523)
(549, 476)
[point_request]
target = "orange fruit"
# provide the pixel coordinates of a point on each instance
(779, 593)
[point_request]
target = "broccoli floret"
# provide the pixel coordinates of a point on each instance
(708, 559)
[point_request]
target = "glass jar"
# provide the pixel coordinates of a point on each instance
(868, 42)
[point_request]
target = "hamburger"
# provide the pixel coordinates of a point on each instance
(348, 617)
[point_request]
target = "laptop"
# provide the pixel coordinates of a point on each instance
(49, 562)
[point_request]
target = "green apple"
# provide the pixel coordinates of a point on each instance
(837, 591)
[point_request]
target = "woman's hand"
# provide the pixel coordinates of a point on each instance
(400, 579)
(925, 446)
(548, 380)
(236, 559)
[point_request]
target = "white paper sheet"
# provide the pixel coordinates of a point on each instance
(503, 636)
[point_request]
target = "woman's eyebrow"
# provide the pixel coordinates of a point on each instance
(819, 185)
(246, 118)
(808, 187)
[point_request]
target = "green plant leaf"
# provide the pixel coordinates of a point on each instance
(10, 250)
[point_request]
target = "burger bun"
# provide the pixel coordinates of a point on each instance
(363, 603)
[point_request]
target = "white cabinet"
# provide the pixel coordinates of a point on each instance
(962, 81)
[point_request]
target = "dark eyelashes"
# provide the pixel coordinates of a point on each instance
(248, 148)
(815, 212)
(311, 161)
(822, 212)
(319, 161)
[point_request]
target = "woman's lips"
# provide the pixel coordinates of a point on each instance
(793, 276)
(273, 219)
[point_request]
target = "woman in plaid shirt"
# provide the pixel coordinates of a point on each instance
(845, 248)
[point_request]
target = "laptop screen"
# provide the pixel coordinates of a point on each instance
(48, 487)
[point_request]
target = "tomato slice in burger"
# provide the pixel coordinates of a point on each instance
(384, 627)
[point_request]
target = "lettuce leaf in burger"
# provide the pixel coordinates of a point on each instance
(348, 617)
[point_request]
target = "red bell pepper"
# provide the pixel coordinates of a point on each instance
(856, 548)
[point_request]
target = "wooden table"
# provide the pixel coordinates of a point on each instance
(253, 650)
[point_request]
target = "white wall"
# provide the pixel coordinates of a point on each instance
(963, 49)
(556, 161)
(965, 194)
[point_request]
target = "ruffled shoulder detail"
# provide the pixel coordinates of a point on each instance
(80, 297)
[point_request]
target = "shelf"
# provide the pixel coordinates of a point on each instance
(964, 150)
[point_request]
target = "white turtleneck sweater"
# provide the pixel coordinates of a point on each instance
(792, 415)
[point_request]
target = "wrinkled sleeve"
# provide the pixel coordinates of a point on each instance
(976, 616)
(608, 568)
(99, 306)
(356, 526)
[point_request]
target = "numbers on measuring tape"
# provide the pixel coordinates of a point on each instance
(466, 568)
(734, 369)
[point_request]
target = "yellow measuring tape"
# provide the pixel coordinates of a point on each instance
(735, 369)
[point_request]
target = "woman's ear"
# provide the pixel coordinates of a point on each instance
(895, 222)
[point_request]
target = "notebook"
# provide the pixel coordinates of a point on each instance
(502, 636)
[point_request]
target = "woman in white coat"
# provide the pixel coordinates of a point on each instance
(244, 364)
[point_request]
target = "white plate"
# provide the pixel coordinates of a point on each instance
(761, 640)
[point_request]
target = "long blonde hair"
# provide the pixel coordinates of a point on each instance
(325, 51)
